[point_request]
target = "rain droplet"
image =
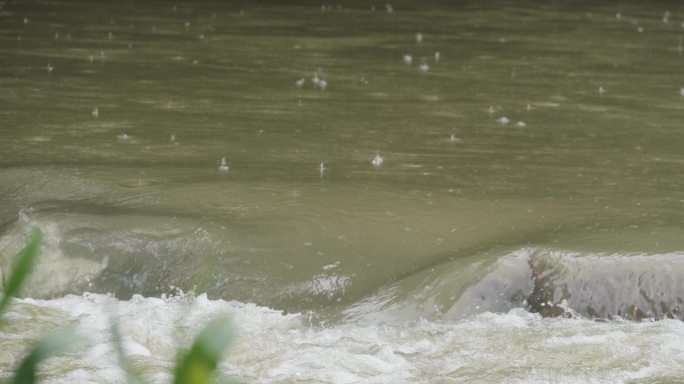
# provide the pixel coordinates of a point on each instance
(223, 166)
(424, 67)
(377, 160)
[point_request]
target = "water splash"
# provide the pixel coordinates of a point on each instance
(377, 160)
(223, 166)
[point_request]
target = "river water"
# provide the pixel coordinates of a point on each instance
(190, 159)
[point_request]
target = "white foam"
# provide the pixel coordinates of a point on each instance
(273, 347)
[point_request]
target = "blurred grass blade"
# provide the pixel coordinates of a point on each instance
(49, 346)
(23, 265)
(131, 377)
(197, 365)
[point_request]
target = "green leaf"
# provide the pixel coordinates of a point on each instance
(131, 376)
(23, 266)
(49, 346)
(197, 365)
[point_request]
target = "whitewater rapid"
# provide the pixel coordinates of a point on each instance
(272, 347)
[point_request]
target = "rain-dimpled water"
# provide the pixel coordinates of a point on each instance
(414, 192)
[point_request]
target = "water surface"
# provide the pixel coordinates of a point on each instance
(532, 168)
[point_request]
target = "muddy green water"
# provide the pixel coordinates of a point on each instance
(532, 165)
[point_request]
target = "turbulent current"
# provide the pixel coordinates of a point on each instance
(142, 259)
(414, 192)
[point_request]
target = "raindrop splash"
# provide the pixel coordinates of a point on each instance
(223, 166)
(377, 160)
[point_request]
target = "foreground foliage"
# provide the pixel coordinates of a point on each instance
(195, 366)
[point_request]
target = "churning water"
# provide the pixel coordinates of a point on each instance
(406, 192)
